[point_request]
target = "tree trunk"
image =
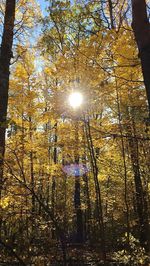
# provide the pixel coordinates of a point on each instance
(32, 167)
(141, 28)
(99, 209)
(141, 199)
(87, 213)
(5, 57)
(53, 199)
(77, 196)
(110, 5)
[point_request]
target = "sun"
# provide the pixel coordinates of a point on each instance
(75, 99)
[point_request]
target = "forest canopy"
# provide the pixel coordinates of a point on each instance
(74, 132)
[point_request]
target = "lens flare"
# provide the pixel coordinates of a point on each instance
(75, 99)
(75, 169)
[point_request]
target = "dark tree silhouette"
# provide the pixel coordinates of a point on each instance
(5, 57)
(141, 28)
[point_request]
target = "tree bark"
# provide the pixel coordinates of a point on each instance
(141, 197)
(110, 5)
(77, 192)
(53, 198)
(141, 28)
(99, 208)
(5, 57)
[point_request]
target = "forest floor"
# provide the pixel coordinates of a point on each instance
(77, 255)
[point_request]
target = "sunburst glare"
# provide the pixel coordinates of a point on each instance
(75, 99)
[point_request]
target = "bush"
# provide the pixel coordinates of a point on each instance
(132, 254)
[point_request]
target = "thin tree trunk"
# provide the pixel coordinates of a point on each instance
(125, 172)
(32, 167)
(53, 200)
(32, 180)
(97, 187)
(110, 5)
(77, 199)
(87, 222)
(141, 200)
